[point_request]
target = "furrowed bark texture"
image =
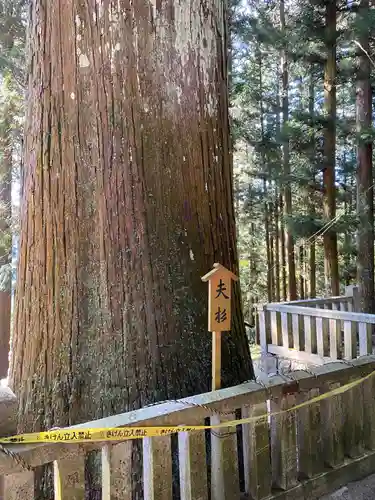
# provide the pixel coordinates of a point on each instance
(365, 191)
(331, 267)
(127, 203)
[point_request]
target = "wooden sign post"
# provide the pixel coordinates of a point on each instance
(219, 313)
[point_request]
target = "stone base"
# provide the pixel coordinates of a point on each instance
(268, 365)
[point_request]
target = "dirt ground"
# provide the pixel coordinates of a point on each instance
(358, 490)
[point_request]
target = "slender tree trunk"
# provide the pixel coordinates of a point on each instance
(329, 202)
(265, 189)
(272, 248)
(283, 252)
(268, 243)
(277, 247)
(365, 191)
(289, 240)
(302, 281)
(5, 237)
(278, 198)
(128, 201)
(312, 254)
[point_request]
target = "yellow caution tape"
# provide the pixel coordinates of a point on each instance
(118, 434)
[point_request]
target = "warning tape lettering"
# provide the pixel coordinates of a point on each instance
(125, 433)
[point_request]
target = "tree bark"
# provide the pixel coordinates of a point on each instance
(289, 240)
(365, 192)
(329, 201)
(302, 271)
(277, 247)
(283, 253)
(128, 201)
(268, 243)
(312, 254)
(6, 164)
(272, 249)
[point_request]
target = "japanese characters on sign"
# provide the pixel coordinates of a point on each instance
(220, 298)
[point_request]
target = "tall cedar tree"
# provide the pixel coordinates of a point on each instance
(127, 203)
(289, 240)
(365, 193)
(329, 202)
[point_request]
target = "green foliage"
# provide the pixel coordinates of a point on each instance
(259, 133)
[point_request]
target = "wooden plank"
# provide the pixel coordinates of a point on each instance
(191, 408)
(117, 471)
(353, 428)
(283, 443)
(157, 468)
(224, 460)
(309, 439)
(334, 339)
(365, 339)
(262, 329)
(69, 478)
(216, 360)
(286, 329)
(320, 301)
(328, 314)
(333, 430)
(310, 334)
(369, 412)
(352, 292)
(192, 465)
(18, 486)
(298, 333)
(336, 306)
(256, 452)
(276, 328)
(322, 337)
(350, 340)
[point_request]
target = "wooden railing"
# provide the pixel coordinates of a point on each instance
(307, 451)
(316, 330)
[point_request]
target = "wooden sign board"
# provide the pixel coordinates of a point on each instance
(219, 298)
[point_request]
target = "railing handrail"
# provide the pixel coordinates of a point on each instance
(322, 313)
(191, 410)
(317, 301)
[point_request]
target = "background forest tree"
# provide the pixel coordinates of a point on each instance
(302, 108)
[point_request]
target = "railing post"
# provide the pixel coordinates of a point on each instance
(353, 291)
(224, 460)
(18, 486)
(256, 452)
(264, 328)
(69, 477)
(309, 441)
(283, 443)
(333, 431)
(192, 465)
(157, 468)
(117, 471)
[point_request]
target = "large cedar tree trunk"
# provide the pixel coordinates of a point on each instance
(329, 202)
(289, 240)
(128, 201)
(365, 201)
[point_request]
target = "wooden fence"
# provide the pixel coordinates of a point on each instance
(300, 454)
(317, 330)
